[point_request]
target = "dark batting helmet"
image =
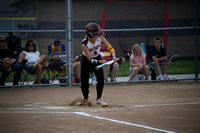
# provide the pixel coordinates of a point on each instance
(92, 29)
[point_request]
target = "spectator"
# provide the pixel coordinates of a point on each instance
(77, 68)
(60, 61)
(8, 64)
(14, 44)
(35, 61)
(114, 68)
(160, 58)
(138, 63)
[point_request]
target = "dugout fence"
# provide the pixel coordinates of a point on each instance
(124, 23)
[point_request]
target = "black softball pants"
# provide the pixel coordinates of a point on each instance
(86, 67)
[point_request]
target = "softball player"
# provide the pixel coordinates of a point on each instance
(91, 58)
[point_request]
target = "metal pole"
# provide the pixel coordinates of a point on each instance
(196, 39)
(69, 38)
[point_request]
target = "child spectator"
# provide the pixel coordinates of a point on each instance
(160, 58)
(138, 63)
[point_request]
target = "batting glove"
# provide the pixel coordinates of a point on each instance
(94, 61)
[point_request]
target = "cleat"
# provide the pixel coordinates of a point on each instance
(83, 102)
(101, 102)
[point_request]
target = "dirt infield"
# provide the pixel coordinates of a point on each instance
(133, 108)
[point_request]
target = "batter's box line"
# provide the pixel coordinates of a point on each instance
(165, 104)
(123, 122)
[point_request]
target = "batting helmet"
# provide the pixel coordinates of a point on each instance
(92, 29)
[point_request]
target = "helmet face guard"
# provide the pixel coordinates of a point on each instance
(92, 30)
(92, 35)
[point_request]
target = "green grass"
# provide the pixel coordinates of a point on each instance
(184, 65)
(23, 41)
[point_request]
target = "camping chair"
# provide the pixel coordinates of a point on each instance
(60, 73)
(147, 50)
(55, 73)
(29, 76)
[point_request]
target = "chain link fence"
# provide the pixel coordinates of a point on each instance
(124, 23)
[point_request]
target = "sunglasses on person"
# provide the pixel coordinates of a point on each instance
(56, 44)
(30, 44)
(2, 40)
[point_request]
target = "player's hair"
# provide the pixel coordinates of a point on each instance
(133, 50)
(92, 30)
(26, 46)
(2, 37)
(158, 38)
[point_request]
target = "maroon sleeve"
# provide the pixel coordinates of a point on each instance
(84, 41)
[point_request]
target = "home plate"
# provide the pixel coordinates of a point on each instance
(57, 108)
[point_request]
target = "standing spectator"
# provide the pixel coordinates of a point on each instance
(35, 61)
(8, 64)
(138, 63)
(91, 58)
(160, 58)
(14, 44)
(114, 68)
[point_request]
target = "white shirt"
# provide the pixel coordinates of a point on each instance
(32, 56)
(93, 48)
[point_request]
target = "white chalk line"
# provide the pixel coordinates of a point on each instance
(88, 115)
(164, 104)
(33, 112)
(123, 122)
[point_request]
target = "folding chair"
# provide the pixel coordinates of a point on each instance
(28, 76)
(147, 50)
(55, 73)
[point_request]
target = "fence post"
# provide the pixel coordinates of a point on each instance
(196, 39)
(68, 37)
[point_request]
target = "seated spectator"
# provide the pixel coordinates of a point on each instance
(160, 58)
(114, 68)
(138, 63)
(58, 56)
(35, 61)
(8, 64)
(77, 68)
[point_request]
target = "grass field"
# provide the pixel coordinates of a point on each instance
(184, 65)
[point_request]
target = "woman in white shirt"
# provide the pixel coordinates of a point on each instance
(35, 61)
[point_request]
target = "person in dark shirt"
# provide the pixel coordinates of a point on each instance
(14, 44)
(160, 58)
(4, 55)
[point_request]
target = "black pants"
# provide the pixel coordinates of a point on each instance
(86, 68)
(17, 68)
